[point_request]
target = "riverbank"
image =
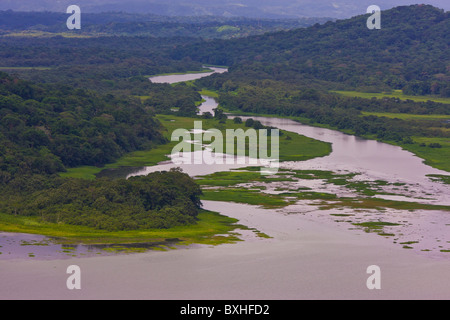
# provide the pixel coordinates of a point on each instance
(211, 228)
(293, 147)
(434, 157)
(304, 260)
(295, 251)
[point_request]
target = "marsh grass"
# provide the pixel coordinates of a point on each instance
(296, 149)
(398, 94)
(209, 225)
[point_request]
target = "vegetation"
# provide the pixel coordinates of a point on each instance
(394, 94)
(25, 24)
(44, 129)
(159, 200)
(243, 185)
(211, 228)
(74, 106)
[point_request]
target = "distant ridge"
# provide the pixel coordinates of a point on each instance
(226, 8)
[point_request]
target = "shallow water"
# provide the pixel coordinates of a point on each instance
(185, 77)
(424, 232)
(37, 247)
(372, 161)
(313, 254)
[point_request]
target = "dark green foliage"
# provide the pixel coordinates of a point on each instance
(159, 200)
(409, 52)
(163, 97)
(121, 23)
(292, 73)
(46, 128)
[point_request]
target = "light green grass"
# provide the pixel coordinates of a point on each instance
(44, 34)
(227, 28)
(209, 93)
(246, 196)
(406, 116)
(231, 178)
(297, 148)
(226, 188)
(395, 94)
(435, 157)
(205, 231)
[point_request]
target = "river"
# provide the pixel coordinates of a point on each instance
(310, 255)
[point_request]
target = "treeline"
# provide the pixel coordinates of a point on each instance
(319, 107)
(167, 99)
(121, 23)
(47, 128)
(293, 73)
(44, 129)
(159, 200)
(410, 52)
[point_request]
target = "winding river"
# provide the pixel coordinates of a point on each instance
(310, 255)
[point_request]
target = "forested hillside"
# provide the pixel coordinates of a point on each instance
(409, 52)
(48, 24)
(45, 129)
(295, 73)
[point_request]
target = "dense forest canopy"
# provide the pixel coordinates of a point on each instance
(46, 128)
(409, 52)
(151, 25)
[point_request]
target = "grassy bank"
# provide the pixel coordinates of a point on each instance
(435, 157)
(407, 116)
(211, 228)
(398, 94)
(293, 147)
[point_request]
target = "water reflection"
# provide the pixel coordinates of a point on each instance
(186, 77)
(38, 247)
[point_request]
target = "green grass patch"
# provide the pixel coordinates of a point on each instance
(231, 178)
(247, 196)
(381, 204)
(407, 116)
(394, 94)
(440, 178)
(209, 93)
(211, 228)
(376, 226)
(296, 148)
(310, 195)
(434, 157)
(44, 34)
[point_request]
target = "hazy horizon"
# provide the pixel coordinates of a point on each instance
(230, 8)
